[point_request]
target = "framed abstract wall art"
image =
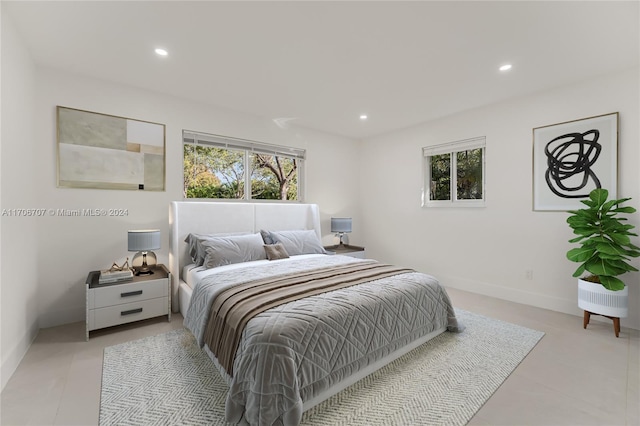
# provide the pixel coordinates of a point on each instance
(109, 152)
(571, 159)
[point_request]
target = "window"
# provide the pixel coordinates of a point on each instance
(228, 168)
(454, 174)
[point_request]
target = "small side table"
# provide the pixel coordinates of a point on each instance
(347, 250)
(143, 297)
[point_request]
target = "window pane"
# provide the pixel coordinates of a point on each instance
(211, 172)
(469, 174)
(273, 177)
(440, 177)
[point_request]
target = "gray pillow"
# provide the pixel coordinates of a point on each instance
(266, 237)
(296, 242)
(275, 251)
(221, 251)
(192, 241)
(195, 248)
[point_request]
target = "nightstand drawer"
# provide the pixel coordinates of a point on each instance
(127, 293)
(145, 296)
(127, 312)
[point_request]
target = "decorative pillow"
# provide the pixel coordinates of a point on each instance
(295, 242)
(266, 237)
(221, 251)
(276, 251)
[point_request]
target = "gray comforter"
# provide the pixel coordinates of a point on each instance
(293, 352)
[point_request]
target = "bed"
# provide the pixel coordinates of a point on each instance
(284, 354)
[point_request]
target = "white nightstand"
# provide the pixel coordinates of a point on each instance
(346, 250)
(146, 296)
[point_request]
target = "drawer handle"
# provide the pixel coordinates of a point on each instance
(131, 312)
(131, 293)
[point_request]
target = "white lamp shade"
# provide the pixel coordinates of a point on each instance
(340, 224)
(144, 240)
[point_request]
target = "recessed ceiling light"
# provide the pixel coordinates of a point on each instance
(505, 67)
(161, 52)
(363, 116)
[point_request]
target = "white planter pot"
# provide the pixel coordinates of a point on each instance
(593, 297)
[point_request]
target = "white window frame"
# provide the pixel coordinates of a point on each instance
(452, 148)
(249, 147)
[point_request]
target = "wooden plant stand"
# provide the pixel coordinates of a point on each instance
(616, 321)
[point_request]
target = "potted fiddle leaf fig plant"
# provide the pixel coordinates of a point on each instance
(604, 253)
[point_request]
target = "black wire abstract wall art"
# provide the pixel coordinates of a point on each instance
(571, 159)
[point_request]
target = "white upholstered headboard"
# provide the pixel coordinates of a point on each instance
(187, 217)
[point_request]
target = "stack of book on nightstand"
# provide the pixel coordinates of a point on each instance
(110, 277)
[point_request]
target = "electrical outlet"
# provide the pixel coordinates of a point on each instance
(528, 274)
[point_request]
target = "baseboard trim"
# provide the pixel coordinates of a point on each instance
(67, 316)
(512, 294)
(542, 301)
(12, 360)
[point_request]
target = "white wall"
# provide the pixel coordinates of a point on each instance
(377, 182)
(487, 250)
(18, 248)
(69, 247)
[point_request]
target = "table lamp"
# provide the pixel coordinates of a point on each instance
(143, 241)
(341, 225)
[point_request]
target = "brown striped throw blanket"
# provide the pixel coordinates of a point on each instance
(233, 308)
(289, 345)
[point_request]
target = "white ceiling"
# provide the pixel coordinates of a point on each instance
(325, 63)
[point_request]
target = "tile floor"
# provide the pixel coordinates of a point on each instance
(572, 377)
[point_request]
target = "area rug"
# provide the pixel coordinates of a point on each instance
(167, 380)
